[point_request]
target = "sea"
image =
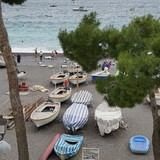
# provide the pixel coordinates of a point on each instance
(36, 23)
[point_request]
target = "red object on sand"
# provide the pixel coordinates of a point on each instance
(50, 147)
(65, 83)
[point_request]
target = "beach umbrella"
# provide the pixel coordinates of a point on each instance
(4, 147)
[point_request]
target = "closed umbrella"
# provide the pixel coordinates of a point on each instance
(4, 147)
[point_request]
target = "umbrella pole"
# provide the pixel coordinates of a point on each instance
(77, 82)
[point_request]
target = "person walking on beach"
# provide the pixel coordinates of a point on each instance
(53, 55)
(41, 56)
(18, 58)
(35, 54)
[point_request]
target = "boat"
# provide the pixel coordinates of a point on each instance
(81, 8)
(107, 118)
(74, 68)
(59, 77)
(157, 97)
(139, 144)
(101, 74)
(2, 62)
(50, 148)
(68, 145)
(75, 117)
(45, 113)
(79, 77)
(60, 94)
(21, 74)
(82, 97)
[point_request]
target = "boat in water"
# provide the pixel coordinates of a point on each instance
(59, 77)
(60, 94)
(75, 117)
(45, 113)
(68, 145)
(139, 144)
(81, 8)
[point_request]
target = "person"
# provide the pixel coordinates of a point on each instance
(18, 58)
(55, 53)
(41, 56)
(52, 55)
(35, 54)
(108, 65)
(103, 66)
(66, 83)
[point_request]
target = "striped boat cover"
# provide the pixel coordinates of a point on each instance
(75, 116)
(64, 149)
(83, 97)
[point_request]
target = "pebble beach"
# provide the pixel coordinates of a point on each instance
(113, 146)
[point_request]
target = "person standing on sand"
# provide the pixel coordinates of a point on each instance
(52, 55)
(35, 54)
(41, 56)
(18, 58)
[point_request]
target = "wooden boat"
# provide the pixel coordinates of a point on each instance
(75, 117)
(2, 62)
(68, 145)
(82, 97)
(139, 144)
(45, 113)
(81, 78)
(50, 148)
(59, 77)
(60, 94)
(74, 68)
(102, 75)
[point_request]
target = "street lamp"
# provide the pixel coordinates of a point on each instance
(3, 127)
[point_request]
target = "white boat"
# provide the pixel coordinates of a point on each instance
(74, 67)
(2, 62)
(74, 79)
(108, 118)
(60, 94)
(45, 113)
(82, 8)
(59, 77)
(21, 75)
(157, 96)
(102, 75)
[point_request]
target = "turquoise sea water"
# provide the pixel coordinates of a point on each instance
(36, 23)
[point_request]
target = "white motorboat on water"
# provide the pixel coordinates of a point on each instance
(59, 77)
(2, 62)
(79, 77)
(45, 113)
(60, 94)
(81, 8)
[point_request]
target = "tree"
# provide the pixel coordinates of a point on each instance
(139, 72)
(13, 86)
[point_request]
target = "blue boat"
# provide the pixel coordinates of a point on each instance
(139, 144)
(75, 117)
(68, 145)
(101, 75)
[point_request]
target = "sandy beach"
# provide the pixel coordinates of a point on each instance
(114, 146)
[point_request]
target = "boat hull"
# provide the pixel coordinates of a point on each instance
(81, 78)
(60, 94)
(45, 113)
(100, 75)
(59, 77)
(139, 144)
(66, 150)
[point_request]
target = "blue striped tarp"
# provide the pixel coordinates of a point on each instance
(75, 117)
(83, 97)
(68, 145)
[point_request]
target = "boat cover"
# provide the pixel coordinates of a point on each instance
(68, 145)
(82, 97)
(75, 117)
(108, 118)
